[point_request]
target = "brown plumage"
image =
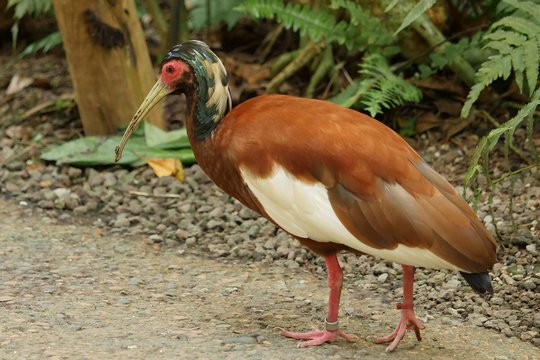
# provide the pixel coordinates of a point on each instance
(333, 178)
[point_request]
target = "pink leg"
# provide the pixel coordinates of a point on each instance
(331, 331)
(408, 318)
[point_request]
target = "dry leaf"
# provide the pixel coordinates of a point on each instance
(18, 83)
(19, 132)
(427, 121)
(449, 107)
(441, 84)
(167, 167)
(453, 126)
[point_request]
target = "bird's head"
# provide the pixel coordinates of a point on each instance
(190, 68)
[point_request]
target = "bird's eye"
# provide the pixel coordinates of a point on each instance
(169, 69)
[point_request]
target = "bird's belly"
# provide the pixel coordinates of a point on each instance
(304, 210)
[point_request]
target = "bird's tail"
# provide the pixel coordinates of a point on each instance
(480, 282)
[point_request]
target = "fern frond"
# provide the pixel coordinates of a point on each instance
(528, 7)
(313, 23)
(516, 40)
(495, 67)
(518, 64)
(319, 24)
(532, 61)
(368, 29)
(387, 90)
(488, 142)
(518, 24)
(509, 37)
(378, 88)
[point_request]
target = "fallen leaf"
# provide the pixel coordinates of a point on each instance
(167, 167)
(449, 107)
(19, 132)
(427, 121)
(453, 126)
(17, 84)
(441, 84)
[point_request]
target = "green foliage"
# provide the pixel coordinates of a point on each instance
(515, 41)
(418, 10)
(388, 90)
(44, 45)
(367, 30)
(152, 142)
(26, 7)
(465, 47)
(204, 14)
(488, 142)
(379, 88)
(29, 7)
(361, 31)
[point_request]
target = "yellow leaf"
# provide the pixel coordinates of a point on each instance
(167, 167)
(179, 174)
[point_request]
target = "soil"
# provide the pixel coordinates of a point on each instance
(74, 291)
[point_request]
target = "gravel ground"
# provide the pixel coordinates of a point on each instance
(195, 218)
(70, 290)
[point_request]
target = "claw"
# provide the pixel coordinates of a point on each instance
(408, 318)
(408, 322)
(318, 337)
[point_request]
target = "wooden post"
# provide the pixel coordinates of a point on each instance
(108, 61)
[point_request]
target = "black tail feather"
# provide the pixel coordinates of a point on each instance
(480, 282)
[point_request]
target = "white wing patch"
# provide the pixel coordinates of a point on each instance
(304, 210)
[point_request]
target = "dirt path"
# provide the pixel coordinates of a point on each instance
(70, 291)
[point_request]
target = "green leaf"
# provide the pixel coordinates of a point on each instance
(475, 167)
(519, 24)
(99, 150)
(386, 90)
(95, 150)
(409, 128)
(157, 138)
(391, 5)
(201, 16)
(417, 11)
(361, 31)
(44, 45)
(528, 7)
(349, 97)
(532, 60)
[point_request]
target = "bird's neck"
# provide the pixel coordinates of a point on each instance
(208, 104)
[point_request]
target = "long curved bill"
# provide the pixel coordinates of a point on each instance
(158, 92)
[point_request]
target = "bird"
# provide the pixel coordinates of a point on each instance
(331, 177)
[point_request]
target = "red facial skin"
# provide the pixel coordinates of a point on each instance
(172, 71)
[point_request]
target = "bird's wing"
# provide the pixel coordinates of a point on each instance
(345, 178)
(440, 222)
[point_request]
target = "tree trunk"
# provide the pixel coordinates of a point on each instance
(108, 61)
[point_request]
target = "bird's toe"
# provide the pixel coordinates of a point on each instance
(315, 338)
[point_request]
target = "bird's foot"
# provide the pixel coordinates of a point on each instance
(408, 322)
(319, 337)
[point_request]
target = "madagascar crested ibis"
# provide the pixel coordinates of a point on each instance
(331, 177)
